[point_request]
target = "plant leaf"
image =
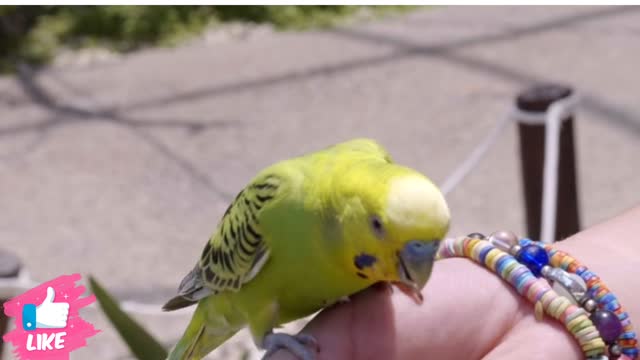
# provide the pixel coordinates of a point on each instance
(139, 341)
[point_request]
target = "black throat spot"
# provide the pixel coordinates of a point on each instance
(364, 260)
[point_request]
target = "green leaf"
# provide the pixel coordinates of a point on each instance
(141, 343)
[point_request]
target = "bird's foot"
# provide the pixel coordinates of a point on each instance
(303, 346)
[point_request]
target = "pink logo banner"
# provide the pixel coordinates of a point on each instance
(47, 320)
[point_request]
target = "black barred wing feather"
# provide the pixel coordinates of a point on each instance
(236, 252)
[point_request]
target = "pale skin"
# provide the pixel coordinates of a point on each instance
(470, 313)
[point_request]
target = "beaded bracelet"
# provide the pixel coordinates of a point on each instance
(578, 298)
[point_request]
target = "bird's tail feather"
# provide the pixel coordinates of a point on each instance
(200, 338)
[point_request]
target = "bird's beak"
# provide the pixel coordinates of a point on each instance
(415, 261)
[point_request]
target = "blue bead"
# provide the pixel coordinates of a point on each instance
(587, 275)
(501, 263)
(628, 335)
(611, 305)
(607, 298)
(484, 252)
(630, 352)
(534, 257)
(593, 291)
(521, 280)
(524, 242)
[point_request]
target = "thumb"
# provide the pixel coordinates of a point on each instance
(50, 295)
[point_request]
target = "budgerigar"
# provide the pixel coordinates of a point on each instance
(303, 234)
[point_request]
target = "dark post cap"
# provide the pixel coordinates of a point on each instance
(9, 264)
(539, 97)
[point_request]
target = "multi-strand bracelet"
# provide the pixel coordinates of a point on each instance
(559, 286)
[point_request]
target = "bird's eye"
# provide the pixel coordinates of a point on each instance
(376, 226)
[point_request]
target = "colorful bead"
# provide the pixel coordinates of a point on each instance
(599, 295)
(534, 257)
(503, 240)
(615, 326)
(631, 352)
(476, 235)
(590, 305)
(535, 289)
(569, 285)
(608, 325)
(515, 249)
(615, 350)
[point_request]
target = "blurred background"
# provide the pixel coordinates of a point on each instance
(125, 131)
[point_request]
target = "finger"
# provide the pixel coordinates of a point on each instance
(51, 294)
(358, 330)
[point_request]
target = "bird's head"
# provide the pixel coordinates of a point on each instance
(396, 221)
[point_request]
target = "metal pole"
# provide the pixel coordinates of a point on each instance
(537, 100)
(9, 268)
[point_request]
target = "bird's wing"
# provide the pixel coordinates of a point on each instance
(237, 251)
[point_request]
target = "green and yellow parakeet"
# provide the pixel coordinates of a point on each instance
(303, 234)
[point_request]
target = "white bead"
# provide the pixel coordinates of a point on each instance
(567, 284)
(590, 305)
(615, 350)
(503, 240)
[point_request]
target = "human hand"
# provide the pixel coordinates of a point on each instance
(468, 313)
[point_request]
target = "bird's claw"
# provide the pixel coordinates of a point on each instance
(299, 345)
(308, 341)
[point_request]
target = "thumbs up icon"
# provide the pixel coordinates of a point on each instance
(48, 315)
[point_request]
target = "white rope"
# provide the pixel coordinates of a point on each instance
(474, 158)
(558, 111)
(553, 117)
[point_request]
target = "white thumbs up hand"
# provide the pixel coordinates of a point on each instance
(52, 315)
